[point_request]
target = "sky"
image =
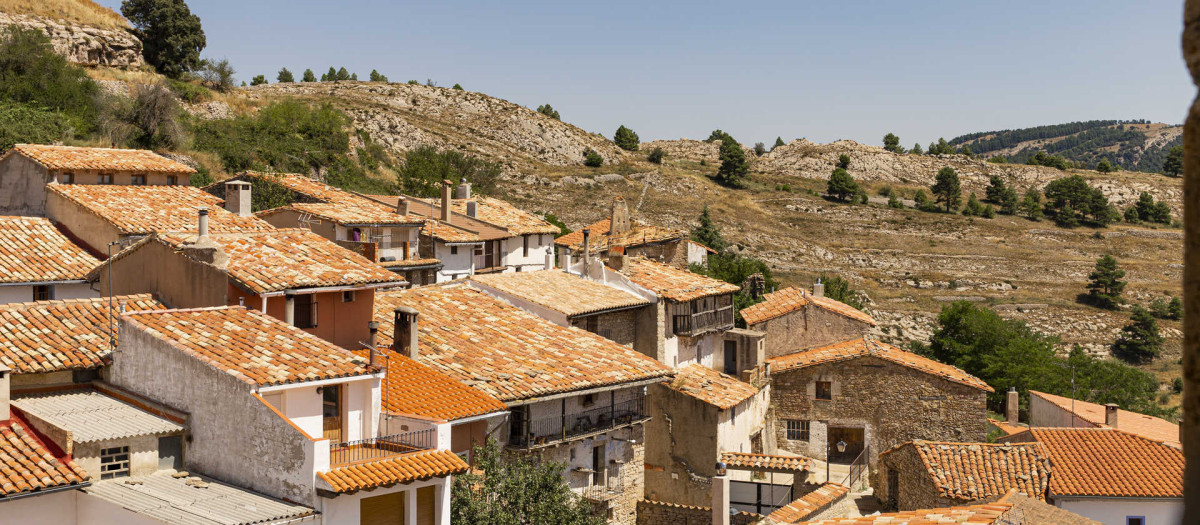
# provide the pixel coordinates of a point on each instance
(757, 70)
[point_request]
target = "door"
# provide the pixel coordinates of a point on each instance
(731, 358)
(331, 412)
(599, 467)
(426, 510)
(387, 509)
(853, 437)
(893, 491)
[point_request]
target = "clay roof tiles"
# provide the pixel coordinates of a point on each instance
(304, 185)
(812, 502)
(249, 345)
(560, 291)
(673, 283)
(101, 159)
(33, 250)
(27, 466)
(601, 238)
(1149, 427)
(1105, 462)
(780, 303)
(363, 212)
(973, 471)
(968, 515)
(748, 461)
(858, 348)
(507, 216)
(711, 386)
(136, 210)
(419, 390)
(505, 351)
(449, 233)
(53, 336)
(277, 260)
(405, 468)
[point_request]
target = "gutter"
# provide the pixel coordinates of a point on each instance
(23, 495)
(44, 283)
(607, 310)
(346, 288)
(319, 382)
(479, 417)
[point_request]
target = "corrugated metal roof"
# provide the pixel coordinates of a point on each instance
(174, 500)
(92, 416)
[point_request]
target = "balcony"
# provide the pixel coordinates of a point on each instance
(704, 322)
(567, 426)
(383, 447)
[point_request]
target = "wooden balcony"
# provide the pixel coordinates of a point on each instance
(700, 323)
(576, 425)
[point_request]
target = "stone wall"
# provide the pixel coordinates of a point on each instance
(806, 328)
(915, 489)
(658, 513)
(619, 327)
(682, 451)
(84, 45)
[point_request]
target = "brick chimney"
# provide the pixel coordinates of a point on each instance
(619, 218)
(1110, 414)
(1012, 406)
(464, 189)
(404, 338)
(819, 289)
(446, 187)
(402, 205)
(237, 198)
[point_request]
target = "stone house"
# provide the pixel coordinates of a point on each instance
(38, 262)
(1049, 410)
(794, 320)
(619, 234)
(872, 396)
(26, 170)
(572, 396)
(927, 474)
(293, 275)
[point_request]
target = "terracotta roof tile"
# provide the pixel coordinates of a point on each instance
(673, 283)
(973, 471)
(410, 263)
(1110, 463)
(33, 250)
(363, 212)
(1149, 427)
(505, 215)
(561, 292)
(600, 239)
(28, 466)
(406, 468)
(108, 159)
(249, 345)
(505, 351)
(780, 303)
(53, 336)
(711, 386)
(449, 233)
(290, 258)
(415, 389)
(969, 515)
(304, 185)
(803, 507)
(748, 461)
(136, 210)
(865, 348)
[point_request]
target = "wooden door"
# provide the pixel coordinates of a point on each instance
(426, 506)
(387, 509)
(854, 439)
(331, 413)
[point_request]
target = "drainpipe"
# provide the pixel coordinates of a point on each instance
(290, 307)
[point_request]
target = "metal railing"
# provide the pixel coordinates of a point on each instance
(858, 468)
(553, 429)
(376, 448)
(613, 487)
(702, 322)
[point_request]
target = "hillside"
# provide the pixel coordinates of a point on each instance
(1133, 145)
(84, 12)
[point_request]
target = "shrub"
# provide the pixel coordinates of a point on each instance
(457, 87)
(885, 191)
(998, 159)
(171, 35)
(32, 73)
(656, 156)
(201, 178)
(778, 142)
(413, 83)
(1139, 342)
(546, 110)
(309, 76)
(717, 135)
(708, 233)
(1131, 215)
(1104, 166)
(1041, 158)
(258, 80)
(425, 168)
(1031, 205)
(155, 116)
(217, 74)
(1071, 201)
(626, 139)
(592, 159)
(554, 220)
(988, 212)
(760, 149)
(1153, 211)
(284, 76)
(513, 488)
(973, 207)
(893, 202)
(841, 185)
(22, 123)
(1162, 309)
(188, 91)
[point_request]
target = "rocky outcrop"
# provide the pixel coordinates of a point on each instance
(82, 44)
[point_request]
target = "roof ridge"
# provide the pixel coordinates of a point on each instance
(195, 309)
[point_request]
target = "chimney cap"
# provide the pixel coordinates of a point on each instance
(1111, 406)
(447, 182)
(405, 310)
(203, 211)
(1012, 389)
(373, 325)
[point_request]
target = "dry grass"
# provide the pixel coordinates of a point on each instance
(81, 11)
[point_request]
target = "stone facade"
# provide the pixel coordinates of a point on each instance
(625, 479)
(618, 327)
(658, 513)
(806, 328)
(914, 486)
(888, 403)
(84, 45)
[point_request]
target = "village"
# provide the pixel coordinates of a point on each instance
(175, 354)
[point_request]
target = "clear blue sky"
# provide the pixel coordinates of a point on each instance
(821, 70)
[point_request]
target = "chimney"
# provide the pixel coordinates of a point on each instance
(404, 338)
(446, 185)
(587, 247)
(720, 496)
(289, 308)
(619, 219)
(1012, 406)
(1110, 414)
(617, 262)
(819, 289)
(202, 228)
(549, 258)
(5, 377)
(373, 326)
(237, 198)
(472, 209)
(402, 205)
(464, 189)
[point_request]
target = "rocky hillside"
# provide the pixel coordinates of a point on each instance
(104, 42)
(1135, 145)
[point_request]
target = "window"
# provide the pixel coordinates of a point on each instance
(1135, 520)
(589, 400)
(348, 296)
(525, 239)
(733, 413)
(114, 462)
(106, 178)
(172, 180)
(306, 311)
(67, 178)
(138, 179)
(825, 390)
(454, 250)
(797, 430)
(43, 292)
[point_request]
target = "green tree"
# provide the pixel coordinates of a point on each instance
(285, 76)
(32, 73)
(708, 233)
(778, 142)
(1105, 284)
(916, 149)
(1175, 309)
(1153, 211)
(946, 188)
(760, 149)
(656, 156)
(998, 159)
(1173, 165)
(1031, 205)
(548, 111)
(511, 489)
(425, 168)
(973, 207)
(941, 147)
(894, 202)
(342, 74)
(626, 139)
(417, 83)
(308, 76)
(995, 190)
(258, 80)
(456, 87)
(841, 185)
(330, 76)
(966, 150)
(922, 202)
(563, 229)
(217, 74)
(1139, 341)
(839, 289)
(1071, 201)
(1104, 166)
(717, 135)
(592, 159)
(1131, 215)
(376, 77)
(1009, 201)
(734, 165)
(171, 36)
(892, 143)
(843, 161)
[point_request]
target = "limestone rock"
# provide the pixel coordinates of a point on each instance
(85, 45)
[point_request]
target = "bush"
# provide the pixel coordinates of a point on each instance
(425, 168)
(258, 80)
(973, 207)
(171, 35)
(189, 92)
(1162, 309)
(843, 161)
(284, 76)
(760, 149)
(839, 289)
(555, 221)
(1139, 342)
(656, 156)
(885, 191)
(514, 488)
(544, 109)
(592, 159)
(415, 83)
(217, 74)
(841, 185)
(1041, 158)
(778, 142)
(201, 178)
(1131, 215)
(32, 74)
(998, 160)
(717, 135)
(893, 202)
(25, 124)
(1104, 166)
(457, 87)
(1031, 205)
(626, 139)
(916, 149)
(989, 212)
(155, 117)
(1009, 202)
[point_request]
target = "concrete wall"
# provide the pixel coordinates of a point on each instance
(1114, 511)
(174, 279)
(682, 451)
(341, 323)
(513, 252)
(56, 508)
(454, 266)
(143, 455)
(42, 379)
(707, 350)
(806, 328)
(740, 423)
(344, 509)
(22, 187)
(84, 225)
(1043, 413)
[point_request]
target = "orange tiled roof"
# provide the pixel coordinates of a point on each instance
(1149, 427)
(406, 468)
(448, 233)
(969, 515)
(857, 348)
(1110, 463)
(290, 258)
(560, 291)
(53, 336)
(748, 461)
(33, 250)
(973, 471)
(410, 263)
(505, 215)
(1007, 428)
(780, 303)
(673, 283)
(363, 212)
(304, 185)
(135, 210)
(711, 386)
(249, 345)
(106, 159)
(507, 352)
(27, 466)
(419, 390)
(813, 501)
(639, 234)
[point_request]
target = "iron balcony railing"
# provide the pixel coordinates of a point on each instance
(377, 448)
(564, 426)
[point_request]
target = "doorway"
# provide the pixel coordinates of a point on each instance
(854, 439)
(331, 413)
(731, 358)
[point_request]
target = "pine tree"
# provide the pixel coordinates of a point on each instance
(258, 80)
(1175, 309)
(544, 109)
(308, 76)
(892, 143)
(966, 150)
(708, 234)
(284, 76)
(377, 77)
(1104, 166)
(946, 189)
(841, 185)
(1132, 216)
(973, 207)
(342, 74)
(1139, 342)
(843, 161)
(1031, 205)
(733, 163)
(778, 142)
(330, 76)
(626, 139)
(995, 190)
(1009, 201)
(1173, 165)
(1105, 284)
